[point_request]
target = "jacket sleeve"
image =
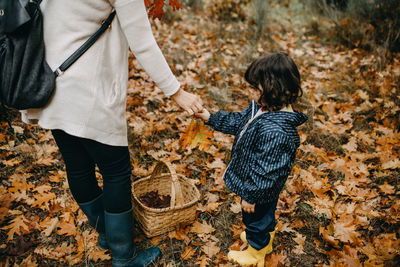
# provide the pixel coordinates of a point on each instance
(269, 167)
(227, 122)
(135, 24)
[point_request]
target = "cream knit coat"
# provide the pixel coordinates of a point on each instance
(90, 97)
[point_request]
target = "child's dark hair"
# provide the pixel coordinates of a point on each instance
(279, 78)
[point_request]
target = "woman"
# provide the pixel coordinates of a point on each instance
(87, 112)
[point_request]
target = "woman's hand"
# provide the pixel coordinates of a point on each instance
(204, 114)
(247, 207)
(191, 103)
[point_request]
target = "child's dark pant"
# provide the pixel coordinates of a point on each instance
(259, 224)
(81, 157)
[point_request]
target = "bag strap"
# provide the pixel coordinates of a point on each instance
(82, 49)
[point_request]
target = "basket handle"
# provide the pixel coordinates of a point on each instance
(176, 190)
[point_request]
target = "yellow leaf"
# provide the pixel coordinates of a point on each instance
(196, 134)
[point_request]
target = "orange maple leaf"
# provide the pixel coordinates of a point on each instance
(17, 226)
(196, 134)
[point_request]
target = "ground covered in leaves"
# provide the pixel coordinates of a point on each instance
(340, 206)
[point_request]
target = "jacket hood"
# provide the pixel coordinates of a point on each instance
(290, 119)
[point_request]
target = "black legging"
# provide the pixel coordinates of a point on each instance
(81, 156)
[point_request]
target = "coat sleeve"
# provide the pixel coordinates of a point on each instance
(135, 24)
(269, 167)
(227, 122)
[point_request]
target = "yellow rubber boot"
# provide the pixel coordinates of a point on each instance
(243, 236)
(251, 256)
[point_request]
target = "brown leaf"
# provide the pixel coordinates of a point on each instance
(42, 200)
(345, 232)
(67, 226)
(97, 254)
(392, 164)
(29, 262)
(17, 226)
(274, 260)
(235, 207)
(327, 235)
(49, 224)
(203, 261)
(188, 253)
(387, 188)
(202, 228)
(300, 240)
(210, 248)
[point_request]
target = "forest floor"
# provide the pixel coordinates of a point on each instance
(340, 205)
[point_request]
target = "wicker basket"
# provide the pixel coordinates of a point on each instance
(184, 199)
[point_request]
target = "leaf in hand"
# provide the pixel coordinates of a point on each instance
(196, 134)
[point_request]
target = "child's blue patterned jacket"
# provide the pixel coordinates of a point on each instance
(262, 159)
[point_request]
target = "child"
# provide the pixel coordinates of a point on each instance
(263, 151)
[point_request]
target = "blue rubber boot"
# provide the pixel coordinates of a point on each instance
(119, 229)
(94, 210)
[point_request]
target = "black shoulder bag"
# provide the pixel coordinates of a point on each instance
(26, 80)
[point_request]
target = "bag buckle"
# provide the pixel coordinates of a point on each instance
(58, 72)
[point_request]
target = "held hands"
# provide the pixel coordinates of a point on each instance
(247, 207)
(189, 102)
(203, 114)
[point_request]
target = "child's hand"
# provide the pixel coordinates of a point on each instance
(204, 114)
(247, 207)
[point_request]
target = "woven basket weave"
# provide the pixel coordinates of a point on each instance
(184, 199)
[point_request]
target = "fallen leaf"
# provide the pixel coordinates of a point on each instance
(210, 249)
(235, 207)
(188, 253)
(274, 260)
(202, 228)
(17, 226)
(49, 224)
(392, 164)
(300, 240)
(387, 188)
